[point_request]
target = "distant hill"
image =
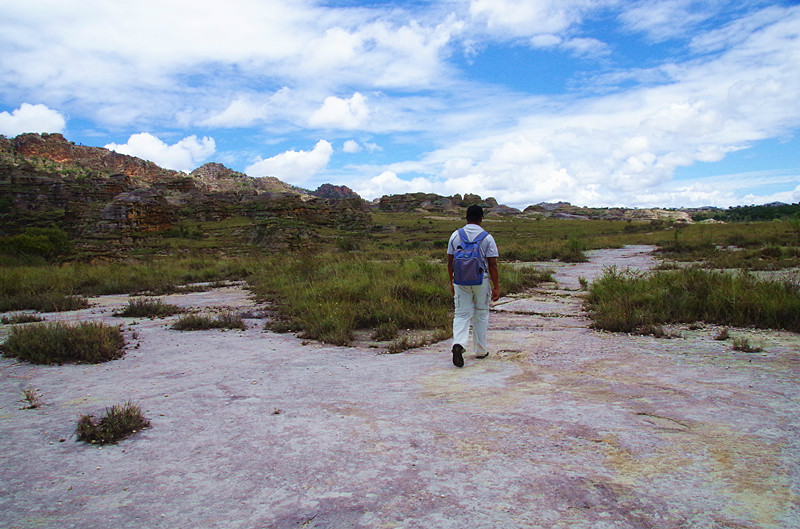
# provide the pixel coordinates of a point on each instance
(47, 180)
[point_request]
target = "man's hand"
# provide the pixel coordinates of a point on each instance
(494, 276)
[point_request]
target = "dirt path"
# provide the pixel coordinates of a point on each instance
(561, 427)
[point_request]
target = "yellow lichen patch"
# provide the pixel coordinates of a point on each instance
(743, 468)
(752, 472)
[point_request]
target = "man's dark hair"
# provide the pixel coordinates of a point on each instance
(474, 213)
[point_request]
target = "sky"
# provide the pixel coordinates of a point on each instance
(652, 103)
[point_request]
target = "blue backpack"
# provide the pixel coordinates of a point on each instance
(467, 262)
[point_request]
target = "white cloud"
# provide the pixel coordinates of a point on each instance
(150, 56)
(388, 183)
(351, 147)
(186, 155)
(666, 19)
(586, 47)
(525, 17)
(341, 113)
(294, 167)
(242, 112)
(31, 118)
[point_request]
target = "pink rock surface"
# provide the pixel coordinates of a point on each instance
(562, 426)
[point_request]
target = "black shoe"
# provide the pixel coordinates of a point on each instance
(483, 355)
(458, 360)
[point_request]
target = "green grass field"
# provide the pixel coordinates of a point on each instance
(327, 283)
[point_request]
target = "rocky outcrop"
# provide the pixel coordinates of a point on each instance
(143, 210)
(67, 155)
(502, 211)
(657, 214)
(432, 203)
(46, 179)
(334, 192)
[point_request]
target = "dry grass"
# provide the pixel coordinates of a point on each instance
(60, 343)
(118, 423)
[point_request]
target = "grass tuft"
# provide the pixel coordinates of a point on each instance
(199, 322)
(22, 317)
(32, 397)
(623, 301)
(723, 335)
(118, 423)
(59, 343)
(147, 308)
(741, 343)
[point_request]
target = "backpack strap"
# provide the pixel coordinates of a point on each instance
(481, 236)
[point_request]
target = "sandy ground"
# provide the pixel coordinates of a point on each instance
(561, 427)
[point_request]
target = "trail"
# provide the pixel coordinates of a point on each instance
(561, 427)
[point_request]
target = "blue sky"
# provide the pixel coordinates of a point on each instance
(656, 103)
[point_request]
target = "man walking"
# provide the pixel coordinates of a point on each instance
(472, 299)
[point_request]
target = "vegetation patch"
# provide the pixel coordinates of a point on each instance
(742, 344)
(22, 317)
(59, 288)
(118, 423)
(200, 322)
(60, 343)
(35, 245)
(44, 302)
(624, 301)
(723, 335)
(329, 296)
(147, 308)
(32, 398)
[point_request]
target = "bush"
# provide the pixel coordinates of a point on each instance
(624, 301)
(199, 322)
(740, 343)
(118, 423)
(46, 243)
(723, 335)
(59, 343)
(385, 331)
(147, 308)
(45, 302)
(329, 297)
(22, 317)
(573, 252)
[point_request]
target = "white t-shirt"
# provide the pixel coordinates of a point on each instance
(488, 246)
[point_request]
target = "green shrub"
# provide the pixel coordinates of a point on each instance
(385, 331)
(740, 343)
(118, 423)
(329, 297)
(22, 317)
(519, 278)
(58, 288)
(723, 335)
(46, 243)
(45, 302)
(573, 252)
(147, 308)
(624, 301)
(58, 343)
(199, 322)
